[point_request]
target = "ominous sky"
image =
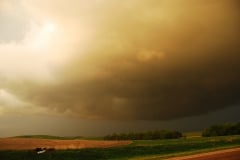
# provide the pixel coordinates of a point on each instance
(77, 67)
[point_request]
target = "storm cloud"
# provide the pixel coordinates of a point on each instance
(144, 60)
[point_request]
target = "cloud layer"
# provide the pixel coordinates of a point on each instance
(145, 60)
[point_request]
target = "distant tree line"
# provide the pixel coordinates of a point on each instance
(222, 130)
(150, 135)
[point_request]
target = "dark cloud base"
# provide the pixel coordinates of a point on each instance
(142, 66)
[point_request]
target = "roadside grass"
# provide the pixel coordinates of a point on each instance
(185, 153)
(138, 150)
(188, 146)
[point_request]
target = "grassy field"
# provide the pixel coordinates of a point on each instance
(155, 149)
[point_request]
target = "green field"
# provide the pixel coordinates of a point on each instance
(144, 149)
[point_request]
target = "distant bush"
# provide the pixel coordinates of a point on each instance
(150, 135)
(222, 130)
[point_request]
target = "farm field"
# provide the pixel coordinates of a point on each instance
(137, 150)
(32, 143)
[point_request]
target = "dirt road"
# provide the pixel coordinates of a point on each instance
(32, 143)
(228, 154)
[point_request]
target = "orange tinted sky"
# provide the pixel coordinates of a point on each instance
(108, 62)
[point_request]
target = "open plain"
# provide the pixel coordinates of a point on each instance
(32, 143)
